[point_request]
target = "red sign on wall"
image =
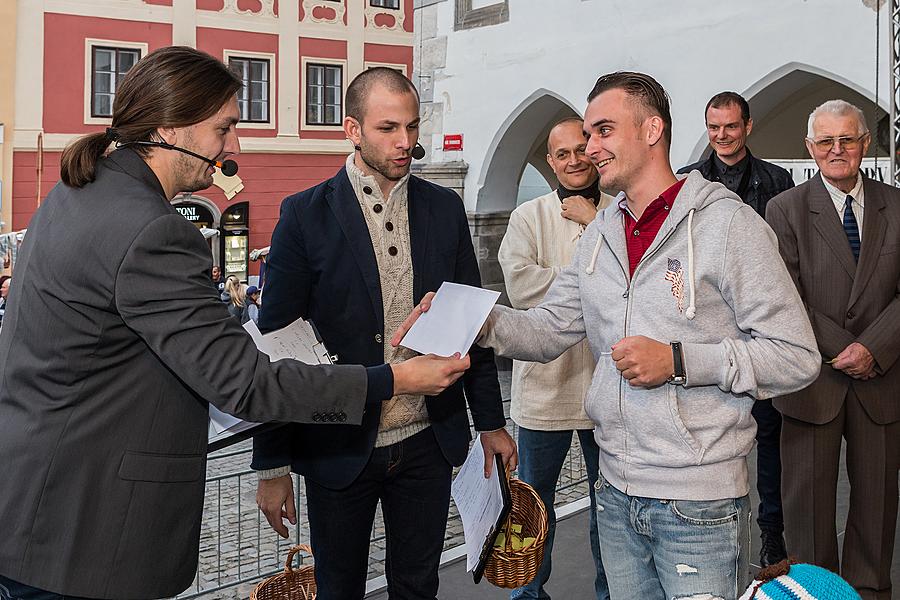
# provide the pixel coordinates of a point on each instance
(453, 142)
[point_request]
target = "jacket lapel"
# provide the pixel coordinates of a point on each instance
(342, 200)
(828, 225)
(874, 228)
(419, 217)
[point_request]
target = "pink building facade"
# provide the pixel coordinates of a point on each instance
(296, 57)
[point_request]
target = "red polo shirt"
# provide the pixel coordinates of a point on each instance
(639, 234)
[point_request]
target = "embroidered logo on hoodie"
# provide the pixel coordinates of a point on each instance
(675, 276)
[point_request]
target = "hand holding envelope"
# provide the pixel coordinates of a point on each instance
(457, 313)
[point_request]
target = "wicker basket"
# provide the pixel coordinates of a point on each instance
(293, 584)
(508, 568)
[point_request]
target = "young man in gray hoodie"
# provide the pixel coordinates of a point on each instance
(684, 299)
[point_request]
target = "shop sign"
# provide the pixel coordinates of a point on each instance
(197, 214)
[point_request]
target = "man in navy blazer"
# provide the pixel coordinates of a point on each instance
(354, 254)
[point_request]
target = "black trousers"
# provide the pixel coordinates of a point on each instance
(412, 480)
(768, 465)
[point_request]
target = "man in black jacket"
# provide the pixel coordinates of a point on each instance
(756, 181)
(354, 254)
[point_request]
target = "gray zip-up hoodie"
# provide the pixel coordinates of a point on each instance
(712, 279)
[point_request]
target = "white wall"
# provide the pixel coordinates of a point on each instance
(694, 48)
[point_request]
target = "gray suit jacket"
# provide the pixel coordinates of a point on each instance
(112, 347)
(847, 302)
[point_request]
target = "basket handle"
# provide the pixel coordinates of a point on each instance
(507, 525)
(290, 557)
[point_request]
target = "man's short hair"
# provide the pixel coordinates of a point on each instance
(577, 120)
(361, 87)
(723, 99)
(647, 93)
(840, 108)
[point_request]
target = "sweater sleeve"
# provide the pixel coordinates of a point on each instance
(780, 355)
(542, 333)
(526, 280)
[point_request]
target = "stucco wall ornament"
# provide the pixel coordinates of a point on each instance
(267, 10)
(339, 9)
(373, 11)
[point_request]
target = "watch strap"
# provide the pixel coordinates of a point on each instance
(678, 375)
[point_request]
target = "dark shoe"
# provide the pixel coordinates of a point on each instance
(773, 550)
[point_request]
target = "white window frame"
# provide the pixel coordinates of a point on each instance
(303, 84)
(399, 66)
(89, 44)
(273, 70)
(398, 8)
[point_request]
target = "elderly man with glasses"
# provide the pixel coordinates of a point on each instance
(839, 234)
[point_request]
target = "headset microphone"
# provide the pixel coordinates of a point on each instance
(228, 167)
(418, 152)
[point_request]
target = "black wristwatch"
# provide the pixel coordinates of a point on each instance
(678, 377)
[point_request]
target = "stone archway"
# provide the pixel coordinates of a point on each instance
(520, 141)
(780, 104)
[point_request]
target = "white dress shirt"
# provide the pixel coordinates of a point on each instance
(839, 198)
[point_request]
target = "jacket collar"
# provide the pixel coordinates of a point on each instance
(826, 222)
(130, 162)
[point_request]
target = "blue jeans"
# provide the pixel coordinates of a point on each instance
(541, 457)
(664, 549)
(412, 480)
(13, 590)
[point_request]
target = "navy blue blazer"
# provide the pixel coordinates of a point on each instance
(322, 267)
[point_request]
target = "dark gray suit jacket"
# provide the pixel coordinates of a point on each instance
(112, 347)
(846, 301)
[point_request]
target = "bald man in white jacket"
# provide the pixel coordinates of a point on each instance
(548, 399)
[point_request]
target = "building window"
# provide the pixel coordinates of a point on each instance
(253, 97)
(108, 67)
(394, 4)
(323, 94)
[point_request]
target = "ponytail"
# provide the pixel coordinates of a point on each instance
(79, 159)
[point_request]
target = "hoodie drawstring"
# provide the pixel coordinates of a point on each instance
(590, 267)
(692, 307)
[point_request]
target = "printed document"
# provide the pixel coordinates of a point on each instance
(298, 341)
(479, 501)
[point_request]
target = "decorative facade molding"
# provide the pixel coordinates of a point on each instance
(339, 9)
(373, 11)
(267, 10)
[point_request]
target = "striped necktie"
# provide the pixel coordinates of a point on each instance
(851, 228)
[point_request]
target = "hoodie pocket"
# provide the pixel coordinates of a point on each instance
(678, 423)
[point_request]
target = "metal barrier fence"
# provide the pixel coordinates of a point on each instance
(238, 548)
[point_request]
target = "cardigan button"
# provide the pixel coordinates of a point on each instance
(367, 190)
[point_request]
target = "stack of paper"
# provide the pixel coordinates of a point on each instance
(298, 341)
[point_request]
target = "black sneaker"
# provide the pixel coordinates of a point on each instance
(773, 550)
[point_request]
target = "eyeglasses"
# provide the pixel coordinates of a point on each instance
(846, 142)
